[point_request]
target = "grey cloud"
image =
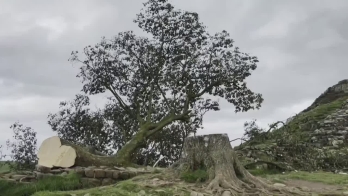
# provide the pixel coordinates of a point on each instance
(295, 65)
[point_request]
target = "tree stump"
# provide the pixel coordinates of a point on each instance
(227, 175)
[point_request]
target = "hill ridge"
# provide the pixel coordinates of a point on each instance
(314, 139)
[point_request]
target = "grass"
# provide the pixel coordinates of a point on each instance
(124, 188)
(132, 188)
(303, 123)
(54, 183)
(322, 177)
(70, 185)
(320, 112)
(4, 168)
(199, 175)
(263, 173)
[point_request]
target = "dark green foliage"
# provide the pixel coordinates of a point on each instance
(253, 132)
(162, 81)
(75, 122)
(23, 149)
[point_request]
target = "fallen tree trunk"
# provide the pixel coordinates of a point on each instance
(227, 175)
(56, 152)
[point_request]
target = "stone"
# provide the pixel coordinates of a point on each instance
(317, 131)
(80, 171)
(89, 173)
(226, 193)
(304, 188)
(194, 193)
(99, 173)
(336, 143)
(109, 173)
(132, 174)
(107, 181)
(119, 168)
(56, 171)
(116, 174)
(124, 175)
(42, 169)
(18, 177)
(279, 185)
(40, 176)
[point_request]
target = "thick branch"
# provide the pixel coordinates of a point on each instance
(166, 121)
(125, 106)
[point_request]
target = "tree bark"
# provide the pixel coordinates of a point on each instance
(147, 130)
(85, 158)
(215, 154)
(124, 155)
(56, 152)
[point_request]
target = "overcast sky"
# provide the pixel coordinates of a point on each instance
(302, 47)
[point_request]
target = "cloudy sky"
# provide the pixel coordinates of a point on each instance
(301, 45)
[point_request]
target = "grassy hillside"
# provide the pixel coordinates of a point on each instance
(293, 145)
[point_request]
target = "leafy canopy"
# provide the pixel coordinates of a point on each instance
(164, 78)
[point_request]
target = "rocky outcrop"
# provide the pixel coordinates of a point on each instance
(333, 130)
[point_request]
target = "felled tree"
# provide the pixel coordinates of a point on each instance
(164, 79)
(107, 130)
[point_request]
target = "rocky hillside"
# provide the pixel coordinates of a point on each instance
(314, 139)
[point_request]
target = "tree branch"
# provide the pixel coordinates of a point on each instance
(238, 139)
(164, 96)
(208, 88)
(166, 121)
(119, 99)
(274, 125)
(150, 108)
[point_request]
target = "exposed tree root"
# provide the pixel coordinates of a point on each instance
(227, 176)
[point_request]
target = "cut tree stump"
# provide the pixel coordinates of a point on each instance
(56, 152)
(227, 176)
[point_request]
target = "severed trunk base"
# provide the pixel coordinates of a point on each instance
(227, 176)
(56, 152)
